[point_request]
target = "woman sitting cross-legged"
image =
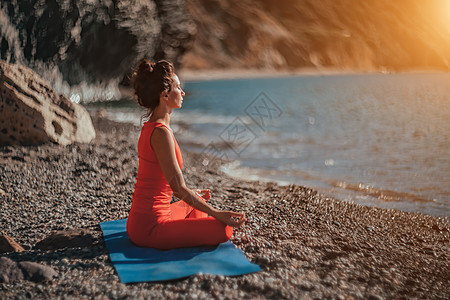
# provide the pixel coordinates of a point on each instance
(153, 221)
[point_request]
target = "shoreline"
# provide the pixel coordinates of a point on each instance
(308, 245)
(192, 75)
(348, 192)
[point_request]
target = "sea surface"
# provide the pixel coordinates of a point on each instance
(373, 139)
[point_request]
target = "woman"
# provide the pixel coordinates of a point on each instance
(153, 221)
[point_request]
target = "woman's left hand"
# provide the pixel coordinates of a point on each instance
(204, 193)
(230, 218)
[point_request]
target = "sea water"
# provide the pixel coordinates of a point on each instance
(373, 139)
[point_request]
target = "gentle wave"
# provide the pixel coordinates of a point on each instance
(364, 194)
(381, 194)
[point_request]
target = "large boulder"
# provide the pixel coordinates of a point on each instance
(92, 41)
(31, 112)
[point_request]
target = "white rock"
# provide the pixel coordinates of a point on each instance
(31, 112)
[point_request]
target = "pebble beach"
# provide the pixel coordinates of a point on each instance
(308, 246)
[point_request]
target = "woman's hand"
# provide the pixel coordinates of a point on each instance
(230, 218)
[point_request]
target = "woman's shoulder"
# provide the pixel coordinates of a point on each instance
(162, 139)
(161, 132)
(155, 129)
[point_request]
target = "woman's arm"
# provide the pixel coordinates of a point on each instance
(164, 147)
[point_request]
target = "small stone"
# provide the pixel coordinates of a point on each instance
(65, 261)
(8, 244)
(370, 228)
(71, 238)
(27, 246)
(306, 286)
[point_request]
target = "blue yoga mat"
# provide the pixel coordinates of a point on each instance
(138, 264)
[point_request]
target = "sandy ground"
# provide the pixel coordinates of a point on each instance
(308, 246)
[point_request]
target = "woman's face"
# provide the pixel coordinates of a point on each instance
(176, 94)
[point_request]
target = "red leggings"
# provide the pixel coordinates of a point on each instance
(188, 227)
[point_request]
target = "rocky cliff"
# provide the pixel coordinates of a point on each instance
(349, 34)
(92, 41)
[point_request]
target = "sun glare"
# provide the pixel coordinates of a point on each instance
(438, 11)
(445, 13)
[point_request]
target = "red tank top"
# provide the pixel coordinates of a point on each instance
(152, 193)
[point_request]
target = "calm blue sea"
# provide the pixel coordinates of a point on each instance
(374, 139)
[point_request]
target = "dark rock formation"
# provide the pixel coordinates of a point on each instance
(66, 239)
(352, 34)
(11, 271)
(32, 113)
(36, 272)
(92, 40)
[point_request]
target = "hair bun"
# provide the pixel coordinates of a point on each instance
(146, 66)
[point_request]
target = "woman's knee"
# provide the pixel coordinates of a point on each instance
(228, 232)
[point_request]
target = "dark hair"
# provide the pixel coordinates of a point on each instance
(150, 80)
